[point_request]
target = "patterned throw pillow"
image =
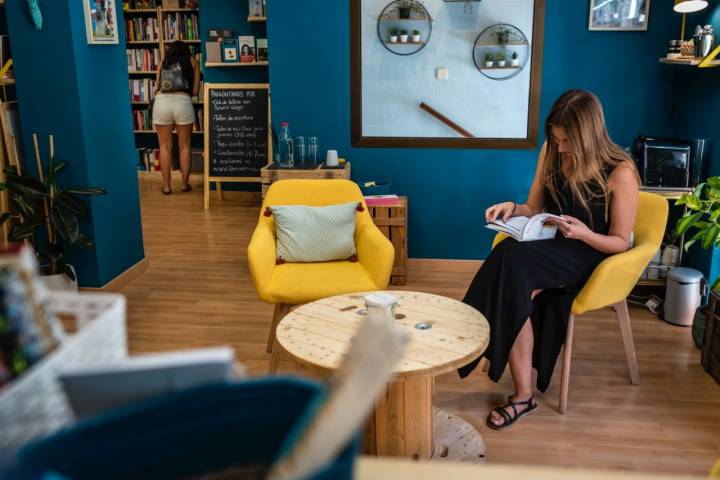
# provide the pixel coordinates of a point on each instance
(315, 234)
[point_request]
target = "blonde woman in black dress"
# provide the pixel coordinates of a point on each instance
(526, 289)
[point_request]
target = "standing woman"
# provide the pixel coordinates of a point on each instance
(526, 289)
(178, 82)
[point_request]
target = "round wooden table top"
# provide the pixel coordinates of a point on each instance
(318, 334)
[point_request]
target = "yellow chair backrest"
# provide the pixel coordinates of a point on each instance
(651, 220)
(314, 193)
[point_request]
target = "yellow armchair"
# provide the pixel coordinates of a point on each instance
(613, 280)
(297, 283)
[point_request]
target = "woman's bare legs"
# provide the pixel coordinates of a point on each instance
(520, 368)
(184, 138)
(165, 139)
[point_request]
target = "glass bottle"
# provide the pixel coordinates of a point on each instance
(286, 146)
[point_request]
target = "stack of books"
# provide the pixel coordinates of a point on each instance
(141, 29)
(181, 26)
(143, 59)
(142, 90)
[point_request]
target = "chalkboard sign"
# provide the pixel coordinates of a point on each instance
(237, 133)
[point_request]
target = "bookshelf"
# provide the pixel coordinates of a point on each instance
(149, 31)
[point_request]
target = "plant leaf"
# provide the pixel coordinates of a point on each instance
(710, 236)
(698, 190)
(59, 166)
(26, 210)
(10, 169)
(73, 204)
(86, 190)
(694, 203)
(4, 218)
(85, 242)
(714, 182)
(20, 232)
(68, 271)
(698, 235)
(686, 222)
(66, 224)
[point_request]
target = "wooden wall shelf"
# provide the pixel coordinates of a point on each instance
(256, 19)
(688, 62)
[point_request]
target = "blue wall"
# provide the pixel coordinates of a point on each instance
(79, 93)
(449, 189)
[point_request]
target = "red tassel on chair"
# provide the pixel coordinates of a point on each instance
(280, 261)
(268, 212)
(353, 259)
(360, 207)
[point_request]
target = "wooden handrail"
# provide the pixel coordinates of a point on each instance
(424, 106)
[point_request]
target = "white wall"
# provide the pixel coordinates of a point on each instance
(393, 86)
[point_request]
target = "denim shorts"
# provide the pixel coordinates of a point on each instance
(173, 108)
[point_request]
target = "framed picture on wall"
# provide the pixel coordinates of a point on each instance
(619, 15)
(101, 22)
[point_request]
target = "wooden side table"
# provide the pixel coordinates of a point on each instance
(392, 222)
(444, 334)
(272, 173)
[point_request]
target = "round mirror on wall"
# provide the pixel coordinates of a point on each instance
(501, 51)
(404, 27)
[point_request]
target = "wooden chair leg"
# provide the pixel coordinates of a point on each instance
(275, 359)
(567, 358)
(623, 316)
(281, 309)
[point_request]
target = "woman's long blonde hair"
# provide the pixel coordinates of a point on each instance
(593, 156)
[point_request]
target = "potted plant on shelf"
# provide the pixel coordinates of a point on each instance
(48, 218)
(416, 36)
(403, 36)
(404, 8)
(394, 31)
(503, 37)
(514, 59)
(489, 60)
(500, 58)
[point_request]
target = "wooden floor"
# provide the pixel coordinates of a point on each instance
(197, 292)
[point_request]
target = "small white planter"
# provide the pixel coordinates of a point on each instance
(488, 64)
(403, 38)
(60, 281)
(515, 62)
(393, 38)
(416, 38)
(501, 63)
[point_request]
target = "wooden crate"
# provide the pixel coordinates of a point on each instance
(270, 174)
(392, 221)
(711, 344)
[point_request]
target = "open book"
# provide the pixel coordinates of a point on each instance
(524, 229)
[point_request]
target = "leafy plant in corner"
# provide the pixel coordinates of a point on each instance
(703, 216)
(43, 203)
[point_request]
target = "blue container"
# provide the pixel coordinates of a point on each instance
(381, 187)
(185, 434)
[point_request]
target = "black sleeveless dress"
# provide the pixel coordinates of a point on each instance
(502, 288)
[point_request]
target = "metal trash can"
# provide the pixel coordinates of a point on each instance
(685, 287)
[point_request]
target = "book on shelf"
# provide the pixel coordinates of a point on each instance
(524, 229)
(143, 59)
(143, 4)
(212, 52)
(255, 8)
(262, 50)
(181, 26)
(230, 51)
(142, 89)
(142, 120)
(246, 47)
(142, 29)
(170, 3)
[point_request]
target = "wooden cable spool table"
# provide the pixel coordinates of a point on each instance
(444, 334)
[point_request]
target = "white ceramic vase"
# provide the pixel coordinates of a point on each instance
(60, 281)
(393, 38)
(403, 38)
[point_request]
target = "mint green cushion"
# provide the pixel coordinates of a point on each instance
(315, 234)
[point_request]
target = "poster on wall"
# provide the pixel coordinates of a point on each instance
(441, 75)
(101, 22)
(623, 15)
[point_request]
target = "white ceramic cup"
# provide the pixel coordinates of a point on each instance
(331, 159)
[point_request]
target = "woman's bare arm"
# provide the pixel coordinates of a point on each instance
(196, 79)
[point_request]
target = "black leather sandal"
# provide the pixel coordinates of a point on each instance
(509, 420)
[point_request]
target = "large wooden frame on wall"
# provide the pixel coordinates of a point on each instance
(356, 89)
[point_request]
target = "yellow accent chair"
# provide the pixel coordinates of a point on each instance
(292, 284)
(613, 280)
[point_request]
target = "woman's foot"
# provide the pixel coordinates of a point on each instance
(505, 416)
(186, 187)
(166, 190)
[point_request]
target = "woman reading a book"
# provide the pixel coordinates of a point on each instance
(526, 289)
(178, 80)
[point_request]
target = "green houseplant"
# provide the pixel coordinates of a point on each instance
(500, 59)
(403, 36)
(503, 37)
(394, 32)
(514, 59)
(489, 59)
(416, 36)
(47, 215)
